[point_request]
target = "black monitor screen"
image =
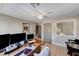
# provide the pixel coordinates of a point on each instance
(4, 41)
(30, 36)
(17, 38)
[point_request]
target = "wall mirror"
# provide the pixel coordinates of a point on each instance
(67, 28)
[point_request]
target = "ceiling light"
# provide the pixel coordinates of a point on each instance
(40, 17)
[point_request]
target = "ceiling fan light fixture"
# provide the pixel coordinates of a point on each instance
(38, 13)
(40, 17)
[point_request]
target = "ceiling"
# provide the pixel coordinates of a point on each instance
(53, 10)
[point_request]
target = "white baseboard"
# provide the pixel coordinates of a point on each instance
(59, 44)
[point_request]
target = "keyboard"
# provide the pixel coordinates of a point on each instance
(25, 52)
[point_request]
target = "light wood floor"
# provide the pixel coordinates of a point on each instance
(56, 50)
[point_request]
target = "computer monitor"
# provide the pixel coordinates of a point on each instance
(17, 38)
(30, 36)
(4, 41)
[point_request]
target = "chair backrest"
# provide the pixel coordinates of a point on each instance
(44, 52)
(77, 41)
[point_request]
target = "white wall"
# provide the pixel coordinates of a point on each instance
(60, 40)
(13, 25)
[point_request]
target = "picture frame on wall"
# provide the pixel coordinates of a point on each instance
(26, 28)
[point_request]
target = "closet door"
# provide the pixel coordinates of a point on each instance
(48, 32)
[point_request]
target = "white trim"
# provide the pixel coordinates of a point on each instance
(42, 32)
(59, 44)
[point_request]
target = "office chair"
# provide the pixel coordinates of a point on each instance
(44, 52)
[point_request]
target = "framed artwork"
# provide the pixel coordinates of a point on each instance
(26, 28)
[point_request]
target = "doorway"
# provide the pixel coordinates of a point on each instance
(38, 30)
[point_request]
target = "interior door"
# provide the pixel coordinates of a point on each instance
(48, 32)
(38, 30)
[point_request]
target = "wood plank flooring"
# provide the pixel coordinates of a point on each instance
(56, 50)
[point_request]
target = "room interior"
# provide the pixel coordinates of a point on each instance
(39, 29)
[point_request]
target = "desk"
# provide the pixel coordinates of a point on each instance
(37, 49)
(75, 46)
(73, 49)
